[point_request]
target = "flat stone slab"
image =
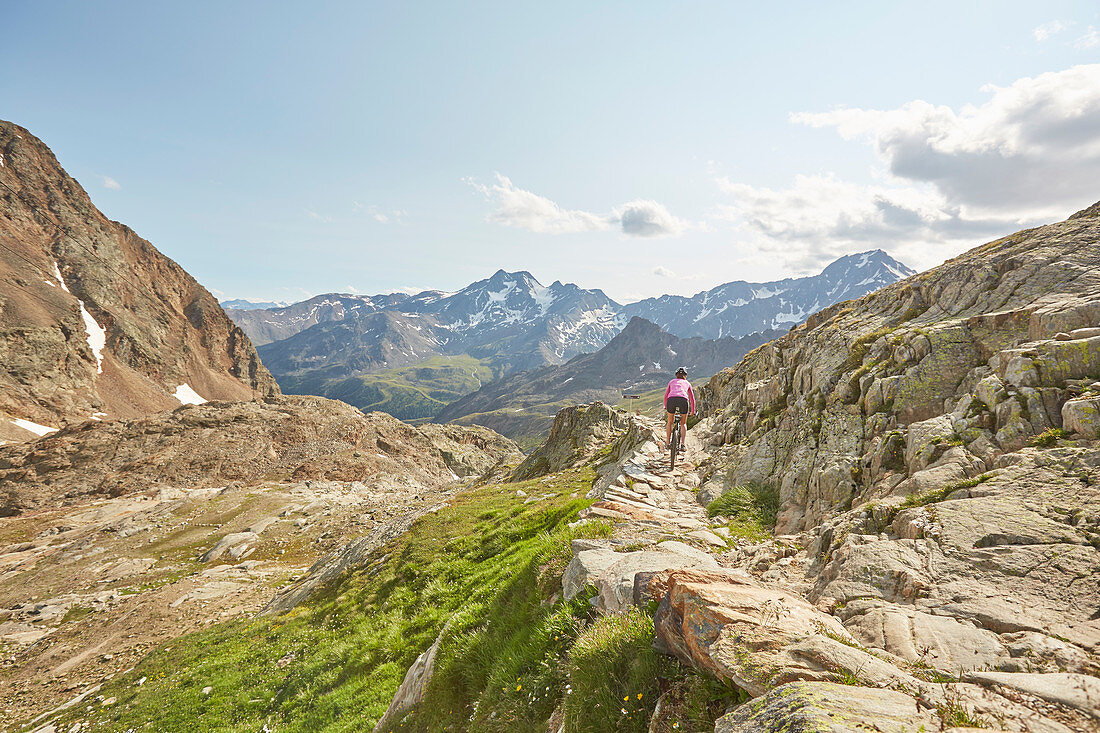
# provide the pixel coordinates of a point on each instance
(704, 535)
(1078, 691)
(829, 708)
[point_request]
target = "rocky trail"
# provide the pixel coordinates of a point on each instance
(753, 613)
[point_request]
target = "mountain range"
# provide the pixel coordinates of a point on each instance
(331, 344)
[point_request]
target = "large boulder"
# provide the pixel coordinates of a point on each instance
(613, 574)
(1082, 416)
(577, 434)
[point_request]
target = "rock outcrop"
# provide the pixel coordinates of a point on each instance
(280, 438)
(94, 321)
(924, 382)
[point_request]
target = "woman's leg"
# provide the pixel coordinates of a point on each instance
(668, 428)
(683, 429)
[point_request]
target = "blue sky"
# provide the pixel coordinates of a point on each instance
(278, 150)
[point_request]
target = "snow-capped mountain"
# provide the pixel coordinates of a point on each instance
(560, 321)
(740, 308)
(521, 405)
(509, 318)
(274, 324)
(251, 304)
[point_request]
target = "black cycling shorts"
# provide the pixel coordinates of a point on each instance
(673, 402)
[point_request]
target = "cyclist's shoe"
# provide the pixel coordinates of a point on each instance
(683, 446)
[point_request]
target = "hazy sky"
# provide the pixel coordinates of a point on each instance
(278, 150)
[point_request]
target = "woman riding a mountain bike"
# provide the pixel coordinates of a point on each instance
(679, 399)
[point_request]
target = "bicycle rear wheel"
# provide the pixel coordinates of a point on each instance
(674, 444)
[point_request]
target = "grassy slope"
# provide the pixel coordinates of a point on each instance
(488, 564)
(409, 393)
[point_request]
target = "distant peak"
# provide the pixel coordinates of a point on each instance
(519, 276)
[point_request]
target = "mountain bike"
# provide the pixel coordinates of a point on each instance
(674, 444)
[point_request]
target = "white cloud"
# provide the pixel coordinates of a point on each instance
(111, 183)
(821, 217)
(523, 209)
(386, 216)
(1091, 39)
(661, 271)
(1029, 154)
(648, 219)
(1033, 149)
(318, 217)
(516, 207)
(1046, 30)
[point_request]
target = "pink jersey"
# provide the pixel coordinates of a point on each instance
(680, 388)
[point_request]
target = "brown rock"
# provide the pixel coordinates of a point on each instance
(68, 271)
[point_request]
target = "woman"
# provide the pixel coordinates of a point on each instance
(679, 394)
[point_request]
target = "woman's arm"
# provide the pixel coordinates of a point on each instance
(667, 390)
(691, 397)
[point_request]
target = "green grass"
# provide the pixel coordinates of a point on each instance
(412, 393)
(861, 345)
(650, 404)
(751, 509)
(614, 675)
(476, 563)
(485, 573)
(1048, 439)
(953, 713)
(937, 495)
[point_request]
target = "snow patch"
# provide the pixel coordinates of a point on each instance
(57, 273)
(187, 396)
(97, 337)
(95, 333)
(34, 427)
(544, 297)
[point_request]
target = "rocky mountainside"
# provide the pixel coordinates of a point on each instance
(130, 533)
(741, 308)
(279, 438)
(94, 321)
(639, 359)
(510, 322)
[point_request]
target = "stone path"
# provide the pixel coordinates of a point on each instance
(650, 503)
